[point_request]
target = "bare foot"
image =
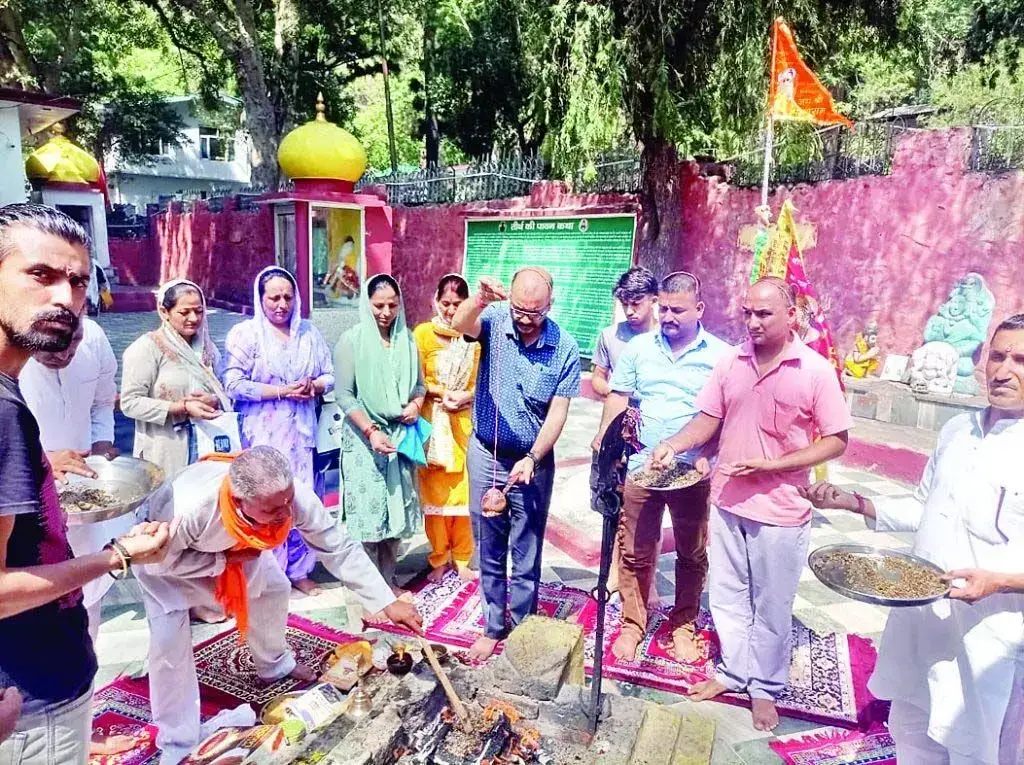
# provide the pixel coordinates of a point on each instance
(107, 746)
(466, 573)
(624, 647)
(307, 587)
(302, 673)
(686, 647)
(705, 690)
(766, 717)
(437, 574)
(208, 614)
(482, 649)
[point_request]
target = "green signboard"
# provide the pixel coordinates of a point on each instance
(584, 255)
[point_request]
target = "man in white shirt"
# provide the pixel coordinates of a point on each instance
(953, 668)
(71, 394)
(226, 516)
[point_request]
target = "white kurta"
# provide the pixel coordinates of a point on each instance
(75, 408)
(952, 659)
(187, 576)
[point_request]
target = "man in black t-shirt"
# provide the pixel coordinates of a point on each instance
(45, 650)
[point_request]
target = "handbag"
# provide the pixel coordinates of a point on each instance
(220, 435)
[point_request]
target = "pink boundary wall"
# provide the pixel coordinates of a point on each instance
(889, 246)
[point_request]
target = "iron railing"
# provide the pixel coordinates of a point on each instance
(617, 171)
(997, 148)
(480, 181)
(831, 154)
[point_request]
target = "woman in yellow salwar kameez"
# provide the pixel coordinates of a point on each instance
(449, 372)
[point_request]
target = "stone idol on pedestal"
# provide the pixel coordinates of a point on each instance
(945, 364)
(864, 360)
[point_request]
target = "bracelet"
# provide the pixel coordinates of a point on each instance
(531, 456)
(861, 504)
(126, 559)
(370, 429)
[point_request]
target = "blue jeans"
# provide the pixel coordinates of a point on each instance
(57, 735)
(520, 529)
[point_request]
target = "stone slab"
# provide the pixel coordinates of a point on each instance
(541, 655)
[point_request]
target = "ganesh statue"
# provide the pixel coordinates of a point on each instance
(933, 369)
(962, 322)
(863, 359)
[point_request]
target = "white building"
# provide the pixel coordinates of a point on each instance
(23, 114)
(207, 162)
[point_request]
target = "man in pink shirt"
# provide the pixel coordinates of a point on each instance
(781, 412)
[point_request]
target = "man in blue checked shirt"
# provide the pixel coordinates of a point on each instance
(665, 370)
(529, 369)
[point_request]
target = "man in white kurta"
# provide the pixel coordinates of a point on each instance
(200, 549)
(949, 667)
(71, 394)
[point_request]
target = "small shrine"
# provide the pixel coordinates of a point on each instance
(329, 236)
(67, 177)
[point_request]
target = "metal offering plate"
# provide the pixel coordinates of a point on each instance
(122, 484)
(682, 476)
(877, 575)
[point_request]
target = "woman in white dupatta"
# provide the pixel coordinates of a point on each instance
(169, 378)
(449, 366)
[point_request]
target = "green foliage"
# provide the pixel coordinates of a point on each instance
(369, 121)
(80, 50)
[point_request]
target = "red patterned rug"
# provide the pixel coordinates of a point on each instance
(227, 678)
(828, 674)
(834, 746)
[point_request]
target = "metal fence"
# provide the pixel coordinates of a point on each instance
(997, 148)
(618, 171)
(480, 181)
(832, 154)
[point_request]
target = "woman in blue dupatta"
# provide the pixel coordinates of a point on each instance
(380, 390)
(276, 366)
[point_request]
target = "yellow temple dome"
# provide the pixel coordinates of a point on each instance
(320, 150)
(60, 161)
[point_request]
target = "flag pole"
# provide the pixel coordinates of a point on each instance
(769, 141)
(769, 138)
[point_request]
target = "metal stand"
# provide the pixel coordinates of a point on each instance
(606, 499)
(611, 527)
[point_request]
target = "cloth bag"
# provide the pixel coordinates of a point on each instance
(412, 444)
(220, 435)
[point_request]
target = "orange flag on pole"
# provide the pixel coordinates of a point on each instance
(795, 93)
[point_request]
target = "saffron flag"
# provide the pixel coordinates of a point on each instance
(795, 93)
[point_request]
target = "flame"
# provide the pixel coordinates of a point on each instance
(400, 651)
(399, 753)
(495, 709)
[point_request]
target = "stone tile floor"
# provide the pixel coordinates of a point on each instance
(124, 641)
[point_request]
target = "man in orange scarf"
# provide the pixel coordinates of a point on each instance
(231, 513)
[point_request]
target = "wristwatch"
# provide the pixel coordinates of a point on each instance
(531, 456)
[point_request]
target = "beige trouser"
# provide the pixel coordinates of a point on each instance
(173, 682)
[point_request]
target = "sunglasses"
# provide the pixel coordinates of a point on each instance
(522, 313)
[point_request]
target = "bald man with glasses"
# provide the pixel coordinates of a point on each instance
(529, 370)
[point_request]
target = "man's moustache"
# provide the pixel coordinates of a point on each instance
(59, 316)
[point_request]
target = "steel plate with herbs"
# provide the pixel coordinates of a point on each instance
(681, 475)
(120, 486)
(877, 575)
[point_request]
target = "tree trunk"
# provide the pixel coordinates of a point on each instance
(286, 25)
(261, 119)
(17, 67)
(660, 203)
(432, 132)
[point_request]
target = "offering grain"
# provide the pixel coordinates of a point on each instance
(888, 577)
(76, 499)
(679, 476)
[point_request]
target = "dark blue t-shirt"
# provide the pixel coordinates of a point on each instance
(45, 652)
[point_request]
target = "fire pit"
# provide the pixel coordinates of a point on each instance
(521, 711)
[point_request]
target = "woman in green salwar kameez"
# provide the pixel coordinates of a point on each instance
(380, 390)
